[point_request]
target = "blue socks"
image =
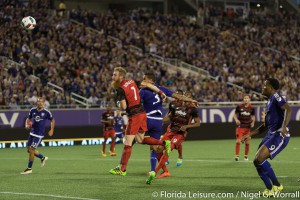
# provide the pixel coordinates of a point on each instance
(266, 173)
(266, 166)
(153, 160)
(30, 164)
(40, 156)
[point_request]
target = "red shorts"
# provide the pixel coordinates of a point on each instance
(136, 124)
(240, 132)
(175, 138)
(109, 133)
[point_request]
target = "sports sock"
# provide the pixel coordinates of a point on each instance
(40, 156)
(125, 157)
(162, 162)
(247, 146)
(30, 163)
(112, 145)
(151, 141)
(159, 155)
(153, 159)
(237, 148)
(104, 145)
(267, 168)
(179, 148)
(263, 175)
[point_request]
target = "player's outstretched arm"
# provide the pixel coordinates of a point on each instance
(50, 133)
(183, 98)
(287, 118)
(154, 88)
(192, 125)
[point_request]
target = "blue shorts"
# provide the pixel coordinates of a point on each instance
(119, 135)
(275, 142)
(154, 125)
(34, 141)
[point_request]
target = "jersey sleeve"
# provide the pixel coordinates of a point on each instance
(49, 117)
(237, 109)
(194, 113)
(120, 94)
(279, 100)
(30, 114)
(168, 92)
(253, 111)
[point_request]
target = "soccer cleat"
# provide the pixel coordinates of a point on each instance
(168, 147)
(268, 193)
(236, 158)
(179, 162)
(246, 158)
(277, 189)
(117, 171)
(112, 153)
(164, 175)
(167, 162)
(103, 154)
(150, 178)
(43, 161)
(27, 171)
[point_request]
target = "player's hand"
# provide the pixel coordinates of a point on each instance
(238, 122)
(284, 131)
(252, 125)
(50, 133)
(163, 96)
(183, 128)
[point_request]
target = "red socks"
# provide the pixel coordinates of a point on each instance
(237, 148)
(247, 146)
(179, 151)
(125, 156)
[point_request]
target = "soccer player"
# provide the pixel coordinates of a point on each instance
(129, 98)
(181, 117)
(278, 116)
(39, 116)
(108, 130)
(152, 104)
(166, 118)
(244, 117)
(119, 125)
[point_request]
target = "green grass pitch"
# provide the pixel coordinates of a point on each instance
(80, 172)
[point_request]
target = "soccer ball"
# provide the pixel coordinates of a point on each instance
(28, 23)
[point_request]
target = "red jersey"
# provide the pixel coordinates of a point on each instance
(108, 116)
(129, 91)
(182, 114)
(244, 115)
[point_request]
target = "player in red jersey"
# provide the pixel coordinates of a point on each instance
(108, 130)
(181, 117)
(166, 118)
(129, 98)
(244, 117)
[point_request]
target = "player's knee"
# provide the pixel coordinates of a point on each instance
(257, 162)
(238, 141)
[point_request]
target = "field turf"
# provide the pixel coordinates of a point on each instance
(80, 172)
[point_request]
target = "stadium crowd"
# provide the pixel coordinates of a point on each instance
(80, 61)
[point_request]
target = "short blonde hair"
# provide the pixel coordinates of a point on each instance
(121, 71)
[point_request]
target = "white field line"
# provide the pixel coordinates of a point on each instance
(47, 195)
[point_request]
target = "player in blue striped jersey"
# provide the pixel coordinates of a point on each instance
(278, 116)
(36, 122)
(152, 104)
